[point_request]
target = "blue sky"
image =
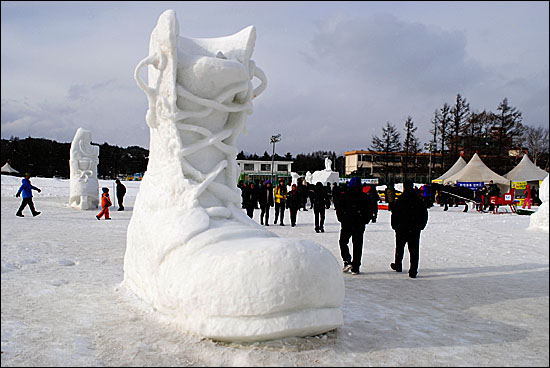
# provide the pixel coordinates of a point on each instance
(337, 71)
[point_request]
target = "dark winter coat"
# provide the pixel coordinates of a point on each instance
(265, 198)
(293, 200)
(354, 207)
(120, 190)
(409, 213)
(26, 188)
(250, 197)
(320, 197)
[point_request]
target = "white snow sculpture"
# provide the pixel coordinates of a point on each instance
(83, 160)
(540, 219)
(191, 251)
(324, 176)
(328, 164)
(295, 177)
(308, 176)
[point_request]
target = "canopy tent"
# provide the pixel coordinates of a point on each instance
(477, 171)
(8, 169)
(526, 170)
(459, 165)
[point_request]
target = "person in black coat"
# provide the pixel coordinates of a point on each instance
(354, 211)
(250, 199)
(293, 203)
(120, 192)
(321, 201)
(265, 199)
(409, 217)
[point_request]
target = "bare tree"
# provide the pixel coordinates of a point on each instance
(537, 143)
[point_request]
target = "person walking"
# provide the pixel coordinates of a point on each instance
(265, 200)
(409, 217)
(120, 192)
(293, 202)
(105, 204)
(375, 198)
(26, 189)
(280, 193)
(321, 201)
(354, 212)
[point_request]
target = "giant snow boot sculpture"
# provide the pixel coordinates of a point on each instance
(191, 251)
(83, 160)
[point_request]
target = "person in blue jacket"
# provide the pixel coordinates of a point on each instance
(26, 188)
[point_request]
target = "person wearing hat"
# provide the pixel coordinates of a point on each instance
(409, 217)
(26, 189)
(353, 211)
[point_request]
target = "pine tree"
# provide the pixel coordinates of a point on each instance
(410, 143)
(460, 113)
(390, 142)
(443, 127)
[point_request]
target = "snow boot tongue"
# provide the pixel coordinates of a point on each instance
(192, 253)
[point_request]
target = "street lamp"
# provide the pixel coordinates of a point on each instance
(430, 147)
(274, 139)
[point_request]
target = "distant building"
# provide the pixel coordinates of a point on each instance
(372, 164)
(252, 170)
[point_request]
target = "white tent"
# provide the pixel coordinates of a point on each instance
(459, 165)
(526, 170)
(477, 171)
(8, 169)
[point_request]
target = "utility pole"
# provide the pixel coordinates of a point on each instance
(274, 139)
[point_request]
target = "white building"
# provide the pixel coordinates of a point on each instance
(261, 170)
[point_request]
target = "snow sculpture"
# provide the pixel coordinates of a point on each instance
(308, 176)
(324, 176)
(540, 219)
(328, 164)
(83, 160)
(295, 178)
(191, 251)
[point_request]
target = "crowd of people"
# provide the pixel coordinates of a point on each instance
(356, 205)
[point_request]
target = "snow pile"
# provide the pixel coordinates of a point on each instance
(191, 251)
(540, 219)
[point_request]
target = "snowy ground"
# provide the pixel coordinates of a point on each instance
(480, 299)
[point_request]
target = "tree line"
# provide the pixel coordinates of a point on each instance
(48, 158)
(456, 129)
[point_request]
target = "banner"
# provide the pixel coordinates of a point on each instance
(519, 184)
(470, 184)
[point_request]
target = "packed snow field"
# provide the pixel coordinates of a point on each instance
(480, 299)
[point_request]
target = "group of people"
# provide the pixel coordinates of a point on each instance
(356, 205)
(26, 188)
(354, 210)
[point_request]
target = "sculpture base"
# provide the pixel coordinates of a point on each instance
(325, 176)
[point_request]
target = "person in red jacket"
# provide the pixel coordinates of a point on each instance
(527, 200)
(105, 204)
